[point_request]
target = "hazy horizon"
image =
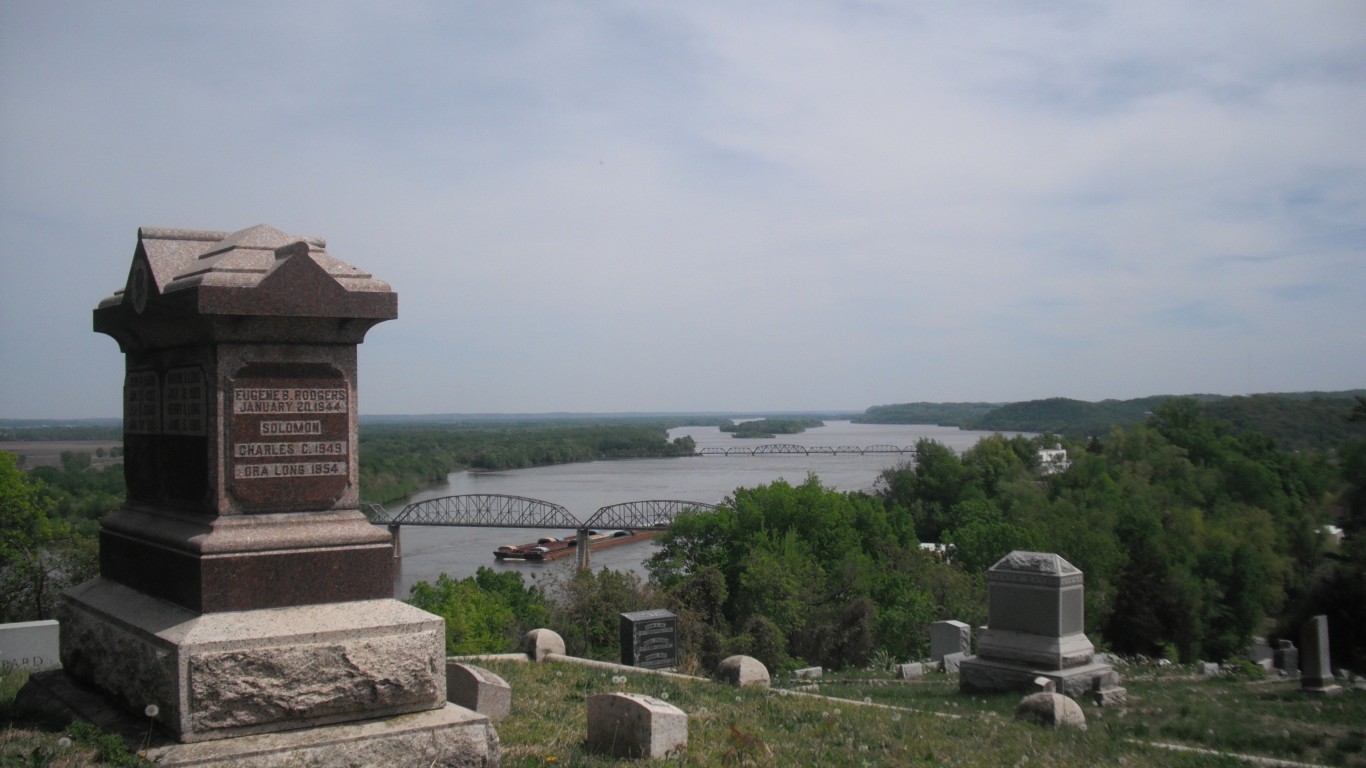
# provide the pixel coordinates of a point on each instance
(703, 206)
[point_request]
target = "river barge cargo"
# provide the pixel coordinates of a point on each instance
(554, 548)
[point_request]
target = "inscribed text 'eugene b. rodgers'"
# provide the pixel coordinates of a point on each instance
(284, 430)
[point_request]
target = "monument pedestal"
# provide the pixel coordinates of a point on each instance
(217, 675)
(449, 737)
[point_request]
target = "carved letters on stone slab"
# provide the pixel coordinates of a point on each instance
(289, 436)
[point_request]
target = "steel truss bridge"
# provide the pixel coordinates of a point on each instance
(488, 510)
(767, 449)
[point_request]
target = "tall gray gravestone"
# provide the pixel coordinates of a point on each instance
(1316, 671)
(1035, 628)
(241, 590)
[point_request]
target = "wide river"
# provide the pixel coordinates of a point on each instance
(586, 487)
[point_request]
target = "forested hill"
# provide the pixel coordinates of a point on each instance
(1295, 420)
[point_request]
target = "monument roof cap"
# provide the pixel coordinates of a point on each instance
(1047, 563)
(259, 270)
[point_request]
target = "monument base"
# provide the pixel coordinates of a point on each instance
(450, 736)
(977, 674)
(221, 675)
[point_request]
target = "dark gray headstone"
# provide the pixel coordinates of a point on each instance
(649, 639)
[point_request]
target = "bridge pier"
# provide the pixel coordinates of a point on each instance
(396, 531)
(585, 549)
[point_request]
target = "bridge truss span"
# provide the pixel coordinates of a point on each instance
(782, 449)
(486, 510)
(654, 514)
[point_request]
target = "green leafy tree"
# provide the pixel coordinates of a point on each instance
(39, 556)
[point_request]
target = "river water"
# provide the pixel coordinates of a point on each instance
(586, 487)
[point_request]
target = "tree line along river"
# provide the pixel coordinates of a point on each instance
(583, 488)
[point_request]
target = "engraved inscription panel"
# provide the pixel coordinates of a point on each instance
(183, 404)
(142, 403)
(289, 438)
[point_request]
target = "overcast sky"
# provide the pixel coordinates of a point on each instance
(701, 205)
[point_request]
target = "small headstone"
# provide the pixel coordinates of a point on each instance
(1106, 691)
(951, 662)
(1260, 650)
(949, 637)
(1209, 669)
(1053, 709)
(478, 689)
(1044, 685)
(30, 646)
(910, 671)
(1287, 658)
(649, 639)
(635, 726)
(538, 643)
(1317, 675)
(742, 671)
(808, 673)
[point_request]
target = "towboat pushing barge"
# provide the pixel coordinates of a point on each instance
(553, 548)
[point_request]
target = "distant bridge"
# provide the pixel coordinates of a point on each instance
(489, 510)
(766, 449)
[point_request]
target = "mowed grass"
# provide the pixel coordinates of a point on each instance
(926, 723)
(1268, 718)
(865, 720)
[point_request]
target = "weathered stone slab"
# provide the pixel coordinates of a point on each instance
(742, 671)
(635, 726)
(1051, 709)
(1287, 658)
(478, 689)
(910, 671)
(1043, 684)
(539, 643)
(952, 662)
(808, 673)
(949, 637)
(30, 646)
(231, 674)
(451, 736)
(1209, 669)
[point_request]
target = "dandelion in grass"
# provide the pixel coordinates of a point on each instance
(867, 699)
(152, 710)
(896, 718)
(63, 743)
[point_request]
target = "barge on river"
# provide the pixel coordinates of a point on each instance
(554, 548)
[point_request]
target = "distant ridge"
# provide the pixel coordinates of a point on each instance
(1295, 420)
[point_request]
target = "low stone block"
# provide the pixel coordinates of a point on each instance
(30, 646)
(808, 673)
(1051, 709)
(218, 675)
(478, 689)
(1286, 657)
(951, 662)
(537, 643)
(635, 726)
(1044, 685)
(1106, 691)
(742, 671)
(910, 671)
(1209, 669)
(949, 637)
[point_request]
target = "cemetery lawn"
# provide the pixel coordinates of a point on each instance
(883, 722)
(866, 719)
